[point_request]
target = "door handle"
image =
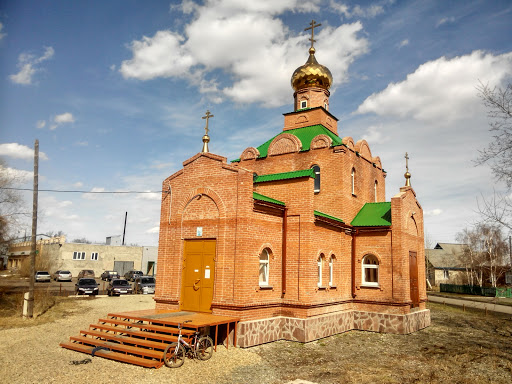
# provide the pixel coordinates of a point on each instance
(196, 287)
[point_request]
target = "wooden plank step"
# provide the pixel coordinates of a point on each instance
(119, 347)
(126, 339)
(113, 355)
(131, 332)
(156, 328)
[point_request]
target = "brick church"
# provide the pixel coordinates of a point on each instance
(295, 237)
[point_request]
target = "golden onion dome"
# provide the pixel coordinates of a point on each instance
(311, 74)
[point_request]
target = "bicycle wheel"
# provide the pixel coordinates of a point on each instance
(204, 348)
(174, 355)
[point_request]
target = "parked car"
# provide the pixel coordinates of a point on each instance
(109, 275)
(42, 276)
(131, 275)
(119, 287)
(86, 273)
(62, 276)
(144, 284)
(86, 286)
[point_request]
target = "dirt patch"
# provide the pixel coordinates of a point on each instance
(459, 347)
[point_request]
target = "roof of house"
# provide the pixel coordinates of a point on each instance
(258, 196)
(285, 175)
(304, 134)
(373, 215)
(321, 214)
(445, 255)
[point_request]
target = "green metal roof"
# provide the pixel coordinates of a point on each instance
(321, 214)
(257, 196)
(304, 134)
(373, 215)
(285, 175)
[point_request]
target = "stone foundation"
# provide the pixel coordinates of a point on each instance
(262, 331)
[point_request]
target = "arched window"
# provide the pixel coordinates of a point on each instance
(303, 104)
(319, 263)
(353, 180)
(316, 169)
(375, 191)
(264, 267)
(370, 271)
(331, 271)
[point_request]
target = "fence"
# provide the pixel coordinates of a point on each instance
(470, 290)
(504, 292)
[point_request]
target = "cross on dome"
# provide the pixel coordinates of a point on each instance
(206, 138)
(313, 26)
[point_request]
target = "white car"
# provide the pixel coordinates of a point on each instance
(62, 276)
(42, 276)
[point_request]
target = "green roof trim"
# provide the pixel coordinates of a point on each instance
(373, 215)
(257, 196)
(321, 214)
(305, 135)
(285, 176)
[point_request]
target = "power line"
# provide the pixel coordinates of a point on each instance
(71, 191)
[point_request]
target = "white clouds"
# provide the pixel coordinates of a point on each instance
(95, 191)
(247, 42)
(78, 184)
(28, 65)
(154, 230)
(2, 35)
(433, 212)
(149, 196)
(374, 135)
(445, 20)
(443, 89)
(356, 11)
(403, 43)
(64, 118)
(17, 176)
(18, 151)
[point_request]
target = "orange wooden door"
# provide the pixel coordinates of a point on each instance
(413, 273)
(198, 275)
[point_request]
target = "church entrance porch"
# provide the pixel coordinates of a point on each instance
(198, 275)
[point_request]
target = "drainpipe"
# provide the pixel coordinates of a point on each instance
(283, 251)
(354, 234)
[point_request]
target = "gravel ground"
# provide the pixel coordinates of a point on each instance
(33, 355)
(459, 347)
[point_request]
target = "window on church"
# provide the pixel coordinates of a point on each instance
(303, 104)
(353, 181)
(316, 169)
(375, 191)
(319, 263)
(94, 255)
(326, 106)
(78, 255)
(331, 271)
(264, 267)
(370, 271)
(446, 274)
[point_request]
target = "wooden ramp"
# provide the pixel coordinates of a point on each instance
(140, 337)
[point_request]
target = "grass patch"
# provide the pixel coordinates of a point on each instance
(47, 308)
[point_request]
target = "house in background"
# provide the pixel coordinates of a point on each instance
(61, 255)
(445, 264)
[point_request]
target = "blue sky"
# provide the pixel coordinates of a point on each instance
(115, 92)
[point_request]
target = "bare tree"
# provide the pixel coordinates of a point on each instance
(484, 254)
(12, 210)
(82, 240)
(498, 207)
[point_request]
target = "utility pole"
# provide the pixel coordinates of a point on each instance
(124, 230)
(28, 307)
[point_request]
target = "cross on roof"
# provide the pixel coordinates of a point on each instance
(207, 117)
(406, 161)
(313, 26)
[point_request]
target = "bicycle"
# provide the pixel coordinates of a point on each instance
(200, 347)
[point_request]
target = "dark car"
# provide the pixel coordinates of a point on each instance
(144, 284)
(131, 275)
(86, 286)
(42, 276)
(86, 273)
(119, 287)
(62, 276)
(109, 275)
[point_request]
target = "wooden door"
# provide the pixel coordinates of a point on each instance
(413, 273)
(198, 275)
